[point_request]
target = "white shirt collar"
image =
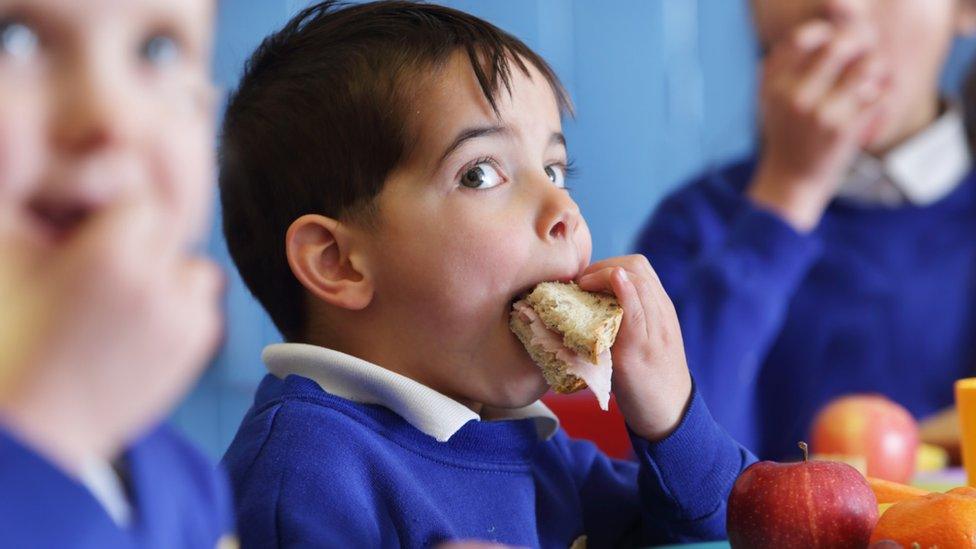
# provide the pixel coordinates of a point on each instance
(920, 171)
(360, 381)
(105, 485)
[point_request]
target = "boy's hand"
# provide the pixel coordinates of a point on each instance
(650, 375)
(820, 104)
(110, 327)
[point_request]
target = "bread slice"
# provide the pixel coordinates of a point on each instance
(553, 369)
(588, 321)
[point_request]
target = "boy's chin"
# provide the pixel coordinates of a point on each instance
(517, 391)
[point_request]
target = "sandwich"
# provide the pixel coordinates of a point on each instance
(568, 333)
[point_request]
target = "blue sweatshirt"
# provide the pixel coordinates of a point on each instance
(778, 323)
(178, 500)
(311, 469)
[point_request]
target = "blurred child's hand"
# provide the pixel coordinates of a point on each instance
(820, 97)
(108, 328)
(650, 375)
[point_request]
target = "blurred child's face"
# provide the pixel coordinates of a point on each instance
(475, 216)
(102, 100)
(914, 37)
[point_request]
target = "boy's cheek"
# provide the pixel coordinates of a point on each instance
(21, 154)
(185, 171)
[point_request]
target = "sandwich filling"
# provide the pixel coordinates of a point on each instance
(597, 376)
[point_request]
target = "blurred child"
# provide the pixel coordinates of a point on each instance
(392, 178)
(106, 167)
(842, 258)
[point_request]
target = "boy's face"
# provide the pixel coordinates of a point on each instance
(913, 37)
(475, 216)
(100, 101)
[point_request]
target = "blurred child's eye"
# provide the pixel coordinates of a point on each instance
(557, 174)
(160, 50)
(481, 176)
(17, 39)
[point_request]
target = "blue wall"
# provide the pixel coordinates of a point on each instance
(663, 88)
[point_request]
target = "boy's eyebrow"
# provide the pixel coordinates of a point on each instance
(557, 138)
(471, 133)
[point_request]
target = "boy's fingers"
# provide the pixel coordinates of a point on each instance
(598, 281)
(798, 45)
(640, 294)
(788, 56)
(812, 35)
(635, 263)
(826, 67)
(850, 100)
(643, 275)
(635, 315)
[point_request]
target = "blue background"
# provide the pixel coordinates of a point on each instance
(663, 89)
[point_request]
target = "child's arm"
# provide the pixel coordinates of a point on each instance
(687, 462)
(676, 492)
(731, 286)
(732, 263)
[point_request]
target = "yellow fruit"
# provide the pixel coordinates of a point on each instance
(930, 458)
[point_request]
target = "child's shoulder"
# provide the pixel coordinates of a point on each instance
(298, 449)
(293, 422)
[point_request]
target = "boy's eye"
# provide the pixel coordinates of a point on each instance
(17, 39)
(160, 50)
(481, 176)
(557, 174)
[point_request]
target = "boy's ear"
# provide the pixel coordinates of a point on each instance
(966, 18)
(322, 255)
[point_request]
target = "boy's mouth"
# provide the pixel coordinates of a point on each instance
(59, 220)
(523, 291)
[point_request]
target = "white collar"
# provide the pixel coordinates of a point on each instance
(360, 381)
(105, 485)
(920, 171)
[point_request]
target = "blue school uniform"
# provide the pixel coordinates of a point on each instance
(880, 297)
(338, 452)
(178, 499)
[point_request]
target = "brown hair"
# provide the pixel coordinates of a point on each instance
(318, 122)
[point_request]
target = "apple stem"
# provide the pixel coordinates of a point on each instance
(806, 450)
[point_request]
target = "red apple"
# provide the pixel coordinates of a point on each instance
(809, 504)
(872, 427)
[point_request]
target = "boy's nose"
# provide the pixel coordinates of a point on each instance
(91, 113)
(559, 216)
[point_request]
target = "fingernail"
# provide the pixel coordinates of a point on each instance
(624, 276)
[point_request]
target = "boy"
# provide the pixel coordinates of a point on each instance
(105, 171)
(842, 259)
(392, 178)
